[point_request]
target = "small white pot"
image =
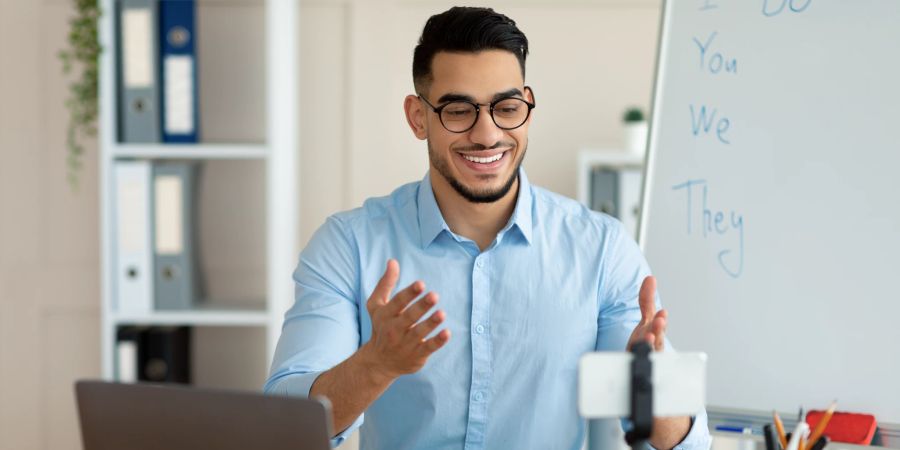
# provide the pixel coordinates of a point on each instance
(636, 137)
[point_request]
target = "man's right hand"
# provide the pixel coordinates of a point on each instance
(398, 344)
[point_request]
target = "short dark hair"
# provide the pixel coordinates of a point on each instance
(466, 29)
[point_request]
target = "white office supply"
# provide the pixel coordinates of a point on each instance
(134, 255)
(604, 384)
(127, 354)
(771, 218)
(179, 94)
(800, 431)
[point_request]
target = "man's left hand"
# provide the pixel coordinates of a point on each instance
(653, 323)
(667, 431)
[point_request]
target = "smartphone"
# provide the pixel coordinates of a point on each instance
(604, 384)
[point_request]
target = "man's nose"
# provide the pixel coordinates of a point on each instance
(485, 131)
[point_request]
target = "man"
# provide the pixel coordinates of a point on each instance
(522, 281)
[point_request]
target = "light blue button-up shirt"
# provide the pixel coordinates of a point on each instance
(558, 281)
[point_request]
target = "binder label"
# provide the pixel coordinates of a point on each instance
(179, 92)
(169, 236)
(138, 48)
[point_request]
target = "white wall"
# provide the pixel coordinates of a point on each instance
(49, 238)
(589, 60)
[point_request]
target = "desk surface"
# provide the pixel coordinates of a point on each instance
(735, 441)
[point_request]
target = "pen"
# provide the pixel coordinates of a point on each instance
(771, 438)
(821, 443)
(797, 435)
(734, 429)
(820, 427)
(780, 427)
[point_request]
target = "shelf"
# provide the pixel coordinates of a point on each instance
(191, 151)
(249, 88)
(610, 157)
(210, 317)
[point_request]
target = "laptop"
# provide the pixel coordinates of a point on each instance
(117, 416)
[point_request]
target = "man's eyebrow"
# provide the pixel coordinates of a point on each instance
(452, 96)
(507, 93)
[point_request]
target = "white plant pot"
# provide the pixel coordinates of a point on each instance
(636, 137)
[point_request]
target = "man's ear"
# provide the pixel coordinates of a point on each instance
(529, 95)
(415, 116)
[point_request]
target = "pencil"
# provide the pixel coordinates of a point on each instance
(780, 428)
(820, 427)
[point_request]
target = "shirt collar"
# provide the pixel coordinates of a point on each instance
(431, 222)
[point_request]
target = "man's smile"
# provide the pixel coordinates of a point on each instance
(484, 161)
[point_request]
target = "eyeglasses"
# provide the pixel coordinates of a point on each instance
(459, 116)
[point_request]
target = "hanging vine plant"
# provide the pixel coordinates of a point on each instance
(82, 55)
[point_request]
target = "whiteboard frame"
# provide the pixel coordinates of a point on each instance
(651, 139)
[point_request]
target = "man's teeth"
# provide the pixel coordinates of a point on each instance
(484, 160)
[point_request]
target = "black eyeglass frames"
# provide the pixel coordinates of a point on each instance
(459, 116)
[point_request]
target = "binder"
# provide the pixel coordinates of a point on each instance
(630, 180)
(166, 356)
(176, 283)
(133, 250)
(178, 71)
(605, 191)
(137, 32)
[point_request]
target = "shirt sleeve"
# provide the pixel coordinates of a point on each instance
(623, 269)
(698, 437)
(321, 329)
(622, 272)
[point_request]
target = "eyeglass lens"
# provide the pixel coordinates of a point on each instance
(507, 114)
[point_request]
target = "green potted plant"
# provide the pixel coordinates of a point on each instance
(635, 130)
(81, 56)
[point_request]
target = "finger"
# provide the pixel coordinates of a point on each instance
(423, 328)
(401, 299)
(663, 313)
(658, 328)
(414, 312)
(647, 299)
(385, 285)
(432, 345)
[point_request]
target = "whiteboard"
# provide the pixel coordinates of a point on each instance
(771, 196)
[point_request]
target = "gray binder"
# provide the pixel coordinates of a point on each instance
(137, 33)
(176, 274)
(605, 191)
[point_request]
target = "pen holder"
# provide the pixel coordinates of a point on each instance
(774, 443)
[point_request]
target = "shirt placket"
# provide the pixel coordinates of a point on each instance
(479, 392)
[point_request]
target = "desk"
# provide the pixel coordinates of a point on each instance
(735, 441)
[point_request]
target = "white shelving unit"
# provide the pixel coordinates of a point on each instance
(278, 153)
(630, 166)
(588, 159)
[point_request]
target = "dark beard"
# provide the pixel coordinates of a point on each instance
(441, 165)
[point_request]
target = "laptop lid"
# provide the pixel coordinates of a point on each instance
(117, 416)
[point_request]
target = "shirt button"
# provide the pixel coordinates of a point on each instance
(479, 329)
(479, 263)
(479, 396)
